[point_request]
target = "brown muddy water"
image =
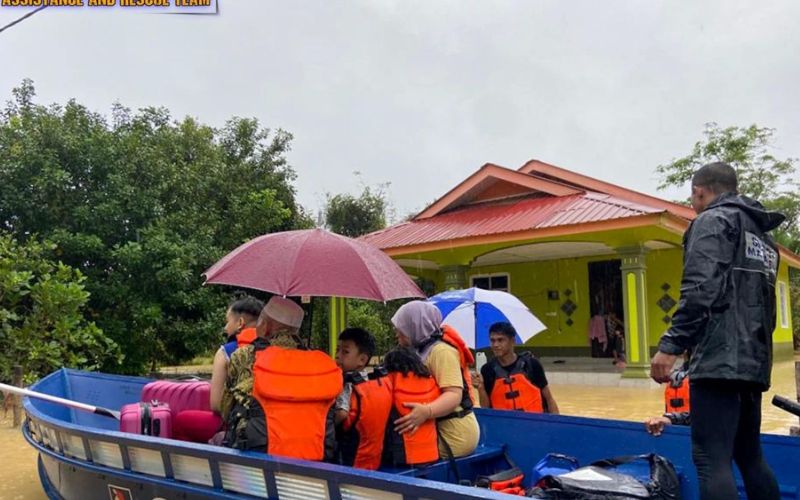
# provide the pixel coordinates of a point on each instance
(19, 479)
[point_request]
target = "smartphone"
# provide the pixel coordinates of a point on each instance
(480, 360)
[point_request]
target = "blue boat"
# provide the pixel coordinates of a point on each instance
(83, 456)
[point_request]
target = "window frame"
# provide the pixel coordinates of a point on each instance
(490, 276)
(783, 304)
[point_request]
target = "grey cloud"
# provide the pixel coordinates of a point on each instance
(420, 94)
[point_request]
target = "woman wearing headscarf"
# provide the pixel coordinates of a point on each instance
(417, 324)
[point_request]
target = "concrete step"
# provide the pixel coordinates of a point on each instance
(571, 364)
(590, 372)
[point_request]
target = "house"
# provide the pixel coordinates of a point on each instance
(569, 246)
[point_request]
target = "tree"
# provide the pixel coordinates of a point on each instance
(142, 204)
(42, 326)
(355, 216)
(761, 175)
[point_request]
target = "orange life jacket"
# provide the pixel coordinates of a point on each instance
(361, 440)
(296, 390)
(246, 336)
(676, 395)
(513, 391)
(451, 337)
(411, 448)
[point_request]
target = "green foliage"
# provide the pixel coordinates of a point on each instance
(320, 310)
(355, 216)
(762, 176)
(142, 204)
(42, 326)
(374, 317)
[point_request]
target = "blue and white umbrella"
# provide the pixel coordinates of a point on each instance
(472, 311)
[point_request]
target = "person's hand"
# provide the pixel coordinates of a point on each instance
(655, 425)
(411, 421)
(477, 381)
(661, 366)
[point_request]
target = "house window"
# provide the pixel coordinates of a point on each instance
(784, 304)
(491, 282)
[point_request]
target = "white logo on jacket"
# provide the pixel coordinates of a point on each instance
(760, 251)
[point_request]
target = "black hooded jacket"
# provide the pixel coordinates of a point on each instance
(726, 311)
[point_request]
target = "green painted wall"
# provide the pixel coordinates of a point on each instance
(530, 282)
(663, 267)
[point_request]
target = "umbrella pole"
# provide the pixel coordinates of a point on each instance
(337, 321)
(475, 319)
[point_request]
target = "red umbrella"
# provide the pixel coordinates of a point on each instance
(313, 262)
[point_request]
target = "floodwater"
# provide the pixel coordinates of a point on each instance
(19, 479)
(636, 404)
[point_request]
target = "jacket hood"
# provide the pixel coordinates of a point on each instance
(765, 219)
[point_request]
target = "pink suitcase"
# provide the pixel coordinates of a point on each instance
(180, 396)
(149, 419)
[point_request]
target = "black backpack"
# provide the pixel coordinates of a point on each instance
(603, 480)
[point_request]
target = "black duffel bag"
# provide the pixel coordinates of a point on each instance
(607, 480)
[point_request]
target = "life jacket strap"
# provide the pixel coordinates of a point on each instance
(436, 337)
(455, 414)
(451, 459)
(354, 378)
(378, 372)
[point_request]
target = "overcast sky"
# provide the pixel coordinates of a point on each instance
(421, 94)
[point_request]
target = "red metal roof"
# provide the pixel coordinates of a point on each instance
(509, 216)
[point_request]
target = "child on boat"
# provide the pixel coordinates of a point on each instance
(411, 382)
(362, 408)
(240, 326)
(355, 348)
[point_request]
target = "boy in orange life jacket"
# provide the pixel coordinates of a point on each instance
(511, 381)
(353, 352)
(362, 408)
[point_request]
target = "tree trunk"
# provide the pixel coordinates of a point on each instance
(17, 406)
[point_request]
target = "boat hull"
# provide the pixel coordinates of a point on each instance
(62, 479)
(83, 456)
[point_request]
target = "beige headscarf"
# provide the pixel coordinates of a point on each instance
(418, 321)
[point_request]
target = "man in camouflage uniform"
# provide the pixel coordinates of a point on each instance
(278, 325)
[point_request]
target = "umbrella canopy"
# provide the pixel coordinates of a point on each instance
(472, 311)
(313, 262)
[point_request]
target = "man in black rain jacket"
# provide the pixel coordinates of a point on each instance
(726, 314)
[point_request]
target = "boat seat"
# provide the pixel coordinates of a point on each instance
(482, 453)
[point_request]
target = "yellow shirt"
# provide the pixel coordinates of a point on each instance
(461, 434)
